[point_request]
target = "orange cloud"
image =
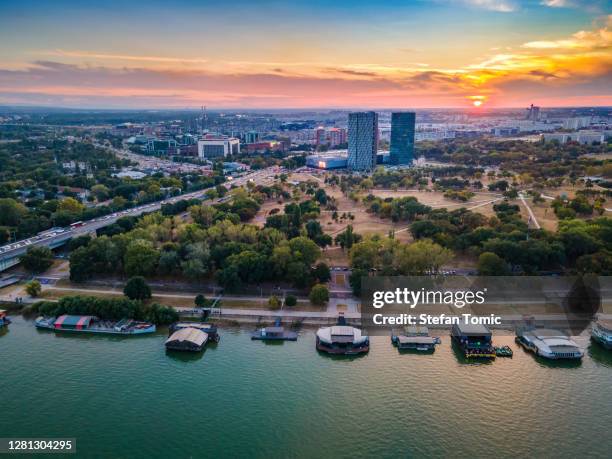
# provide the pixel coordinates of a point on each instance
(568, 70)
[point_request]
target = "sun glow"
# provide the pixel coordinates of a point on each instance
(477, 103)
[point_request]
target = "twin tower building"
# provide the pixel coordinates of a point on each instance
(363, 139)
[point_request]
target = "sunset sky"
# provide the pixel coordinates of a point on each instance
(293, 54)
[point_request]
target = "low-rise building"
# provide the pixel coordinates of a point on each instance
(326, 162)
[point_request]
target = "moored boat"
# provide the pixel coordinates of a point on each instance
(4, 320)
(275, 333)
(342, 339)
(187, 339)
(548, 343)
(208, 328)
(92, 324)
(475, 341)
(503, 351)
(415, 338)
(602, 333)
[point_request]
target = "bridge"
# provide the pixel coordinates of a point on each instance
(56, 237)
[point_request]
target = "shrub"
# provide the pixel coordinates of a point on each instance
(290, 300)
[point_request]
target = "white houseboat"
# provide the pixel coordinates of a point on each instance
(602, 333)
(548, 343)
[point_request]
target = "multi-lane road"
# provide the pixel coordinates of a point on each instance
(9, 254)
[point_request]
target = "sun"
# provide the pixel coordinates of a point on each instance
(477, 103)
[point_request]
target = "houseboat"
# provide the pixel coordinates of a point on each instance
(342, 339)
(4, 320)
(209, 329)
(548, 343)
(91, 324)
(187, 339)
(474, 340)
(415, 338)
(275, 333)
(602, 333)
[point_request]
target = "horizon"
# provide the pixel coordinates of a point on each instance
(308, 56)
(209, 109)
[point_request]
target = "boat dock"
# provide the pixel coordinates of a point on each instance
(415, 338)
(275, 333)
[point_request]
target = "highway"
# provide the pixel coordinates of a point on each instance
(55, 237)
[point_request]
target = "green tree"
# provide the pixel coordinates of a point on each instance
(290, 300)
(70, 205)
(140, 258)
(37, 259)
(200, 301)
(322, 273)
(11, 212)
(33, 288)
(100, 192)
(137, 289)
(319, 295)
(489, 264)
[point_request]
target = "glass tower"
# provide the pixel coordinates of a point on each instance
(362, 140)
(402, 138)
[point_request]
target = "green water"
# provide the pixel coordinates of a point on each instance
(125, 397)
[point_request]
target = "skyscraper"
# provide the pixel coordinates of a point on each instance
(402, 138)
(362, 140)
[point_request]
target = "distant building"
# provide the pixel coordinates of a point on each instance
(362, 140)
(583, 137)
(261, 147)
(188, 150)
(212, 146)
(135, 175)
(337, 136)
(556, 137)
(577, 122)
(433, 135)
(589, 138)
(251, 137)
(326, 162)
(162, 147)
(533, 113)
(402, 138)
(330, 137)
(504, 131)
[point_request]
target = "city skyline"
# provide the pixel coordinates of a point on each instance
(350, 55)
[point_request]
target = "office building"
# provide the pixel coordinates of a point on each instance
(402, 138)
(212, 146)
(362, 140)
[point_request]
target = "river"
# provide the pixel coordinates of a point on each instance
(126, 397)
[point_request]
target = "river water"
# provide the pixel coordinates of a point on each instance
(126, 397)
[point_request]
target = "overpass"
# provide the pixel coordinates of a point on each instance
(56, 237)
